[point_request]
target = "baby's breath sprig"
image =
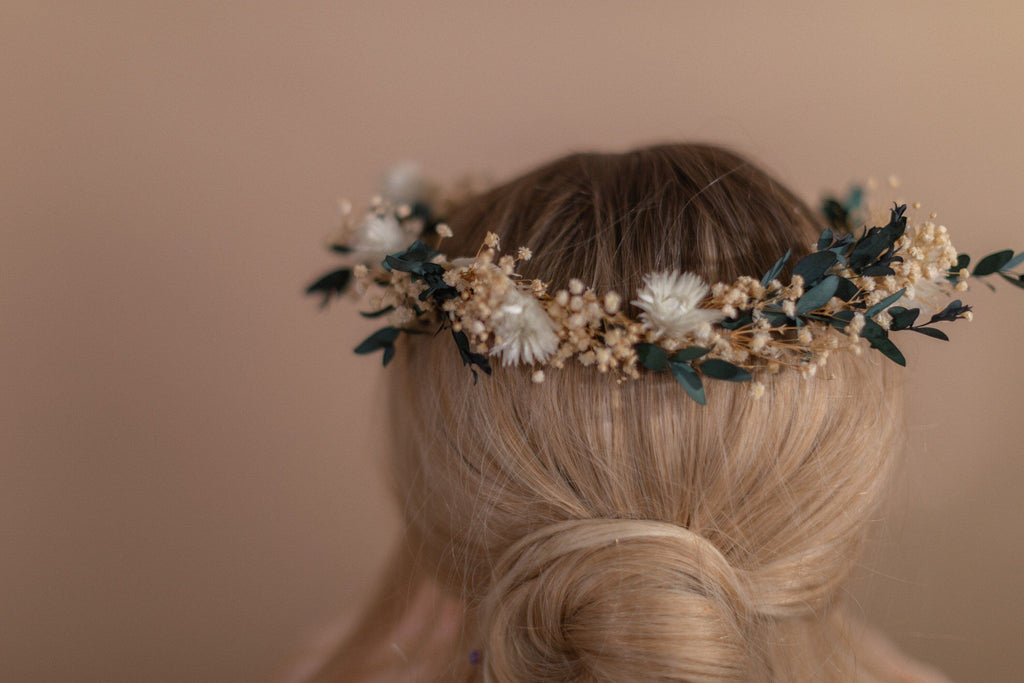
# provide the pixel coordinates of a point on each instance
(855, 286)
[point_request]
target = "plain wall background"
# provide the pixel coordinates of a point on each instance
(191, 481)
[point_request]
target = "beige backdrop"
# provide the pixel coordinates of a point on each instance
(191, 482)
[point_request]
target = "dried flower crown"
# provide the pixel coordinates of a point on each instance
(857, 285)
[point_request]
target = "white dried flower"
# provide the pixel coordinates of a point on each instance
(404, 184)
(528, 334)
(928, 294)
(381, 235)
(669, 303)
(443, 230)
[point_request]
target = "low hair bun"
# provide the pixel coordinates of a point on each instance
(615, 600)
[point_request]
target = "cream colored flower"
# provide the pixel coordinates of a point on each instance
(929, 294)
(381, 235)
(669, 301)
(527, 333)
(404, 184)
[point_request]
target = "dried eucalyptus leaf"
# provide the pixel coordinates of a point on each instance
(690, 381)
(776, 269)
(689, 353)
(993, 263)
(651, 356)
(720, 369)
(818, 295)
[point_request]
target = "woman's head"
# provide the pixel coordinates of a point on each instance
(600, 530)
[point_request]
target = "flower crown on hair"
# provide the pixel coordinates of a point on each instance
(856, 285)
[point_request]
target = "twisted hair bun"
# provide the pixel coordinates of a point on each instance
(615, 600)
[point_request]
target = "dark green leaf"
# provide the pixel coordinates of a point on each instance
(776, 269)
(868, 248)
(1014, 262)
(884, 304)
(931, 332)
(381, 339)
(993, 262)
(888, 349)
(720, 369)
(742, 320)
(873, 330)
(689, 353)
(814, 266)
(953, 310)
(817, 296)
(897, 222)
(1015, 281)
(877, 240)
(854, 198)
(840, 319)
(845, 315)
(377, 314)
(846, 289)
(878, 270)
(690, 381)
(777, 318)
(953, 274)
(836, 214)
(411, 260)
(825, 240)
(902, 318)
(471, 358)
(432, 275)
(330, 285)
(651, 356)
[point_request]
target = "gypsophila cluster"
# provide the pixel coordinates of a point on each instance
(855, 288)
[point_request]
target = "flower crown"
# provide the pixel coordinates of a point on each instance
(856, 285)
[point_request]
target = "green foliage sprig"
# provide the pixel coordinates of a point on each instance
(830, 288)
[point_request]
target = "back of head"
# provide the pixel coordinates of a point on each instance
(608, 531)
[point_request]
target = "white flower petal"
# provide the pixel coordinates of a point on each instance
(527, 333)
(379, 234)
(927, 294)
(669, 303)
(404, 184)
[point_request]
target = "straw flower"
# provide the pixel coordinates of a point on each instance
(381, 234)
(669, 303)
(527, 333)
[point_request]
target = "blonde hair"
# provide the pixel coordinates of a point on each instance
(604, 531)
